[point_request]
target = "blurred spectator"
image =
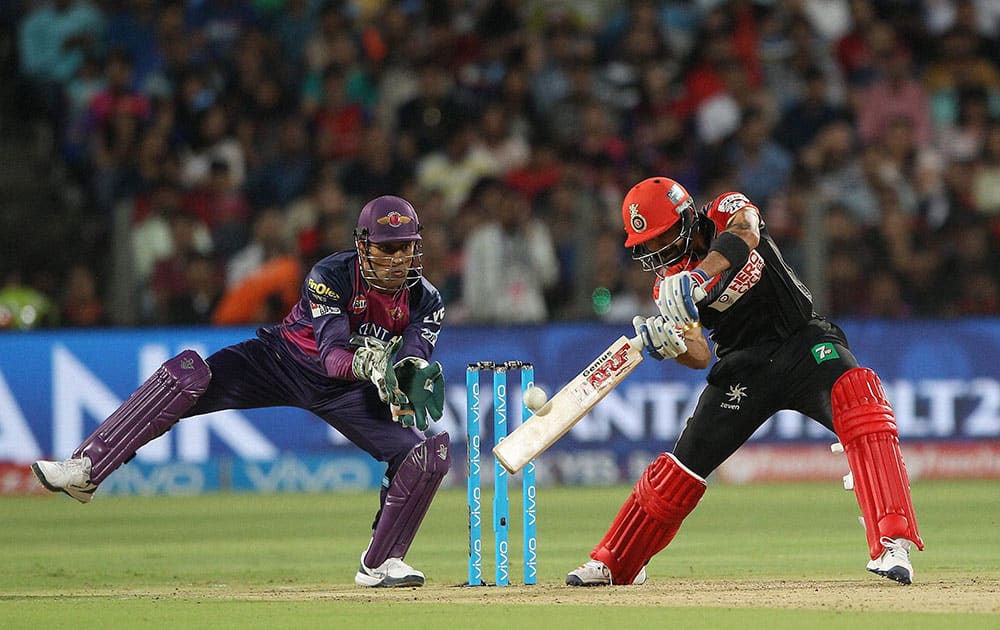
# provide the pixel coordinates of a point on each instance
(441, 264)
(132, 27)
(858, 49)
(506, 148)
(22, 307)
(220, 22)
(308, 217)
(378, 169)
(425, 122)
(269, 241)
(895, 93)
(720, 56)
(214, 142)
(963, 139)
(169, 278)
(884, 297)
(331, 33)
(510, 261)
(571, 216)
(53, 41)
(80, 305)
(116, 117)
(195, 305)
(986, 179)
(620, 290)
(265, 295)
(564, 119)
(833, 163)
(597, 142)
(316, 106)
(88, 81)
(957, 66)
(287, 175)
(339, 123)
(808, 113)
(222, 207)
(539, 174)
(515, 99)
(979, 294)
(293, 28)
(454, 170)
(150, 234)
(846, 259)
(761, 165)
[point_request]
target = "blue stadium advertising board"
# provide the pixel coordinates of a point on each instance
(943, 379)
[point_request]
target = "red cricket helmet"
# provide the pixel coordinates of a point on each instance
(652, 207)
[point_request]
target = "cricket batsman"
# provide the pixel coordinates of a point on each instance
(334, 354)
(717, 269)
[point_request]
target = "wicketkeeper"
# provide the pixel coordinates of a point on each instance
(334, 354)
(718, 269)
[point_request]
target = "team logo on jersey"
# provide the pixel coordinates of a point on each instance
(394, 220)
(396, 313)
(637, 220)
(736, 395)
(359, 304)
(824, 352)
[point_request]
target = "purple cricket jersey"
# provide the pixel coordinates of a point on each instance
(337, 304)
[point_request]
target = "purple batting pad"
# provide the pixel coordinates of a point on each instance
(409, 496)
(147, 414)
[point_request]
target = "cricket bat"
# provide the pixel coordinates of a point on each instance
(569, 404)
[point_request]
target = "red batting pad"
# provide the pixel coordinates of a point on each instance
(664, 495)
(866, 426)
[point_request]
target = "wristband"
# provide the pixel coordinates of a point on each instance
(701, 277)
(732, 248)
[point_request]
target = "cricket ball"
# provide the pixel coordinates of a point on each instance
(535, 398)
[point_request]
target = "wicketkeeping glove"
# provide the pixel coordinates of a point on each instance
(661, 339)
(423, 385)
(373, 362)
(679, 297)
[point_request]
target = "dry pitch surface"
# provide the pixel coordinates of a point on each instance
(946, 596)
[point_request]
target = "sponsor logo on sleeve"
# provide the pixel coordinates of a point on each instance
(319, 310)
(732, 203)
(824, 352)
(742, 281)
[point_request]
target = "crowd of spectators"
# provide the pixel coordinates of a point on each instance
(240, 139)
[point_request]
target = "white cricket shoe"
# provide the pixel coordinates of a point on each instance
(71, 476)
(894, 563)
(391, 573)
(596, 573)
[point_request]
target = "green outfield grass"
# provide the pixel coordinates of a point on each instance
(288, 561)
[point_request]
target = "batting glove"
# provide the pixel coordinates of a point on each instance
(679, 296)
(661, 340)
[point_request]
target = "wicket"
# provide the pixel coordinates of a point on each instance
(501, 499)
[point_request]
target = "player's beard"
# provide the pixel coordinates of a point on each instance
(387, 279)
